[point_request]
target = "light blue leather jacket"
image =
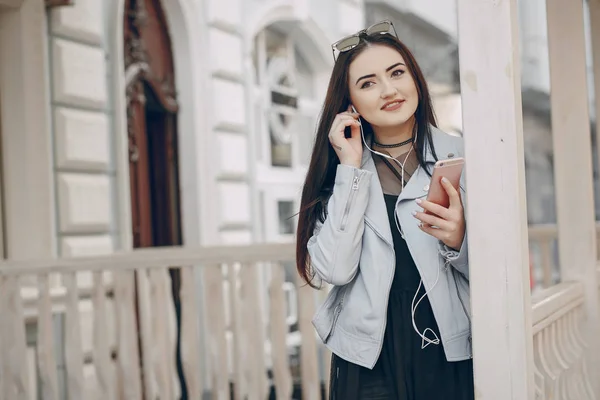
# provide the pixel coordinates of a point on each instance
(353, 250)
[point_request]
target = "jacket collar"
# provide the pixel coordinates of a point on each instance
(416, 187)
(435, 133)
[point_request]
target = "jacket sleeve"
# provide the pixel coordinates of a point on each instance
(459, 259)
(336, 243)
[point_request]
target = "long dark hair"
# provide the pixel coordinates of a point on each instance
(320, 177)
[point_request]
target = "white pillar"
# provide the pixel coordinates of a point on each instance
(496, 206)
(29, 203)
(573, 158)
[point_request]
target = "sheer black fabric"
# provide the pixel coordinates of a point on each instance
(404, 371)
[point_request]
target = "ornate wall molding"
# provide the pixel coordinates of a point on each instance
(148, 55)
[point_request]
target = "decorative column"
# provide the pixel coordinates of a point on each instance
(573, 158)
(496, 206)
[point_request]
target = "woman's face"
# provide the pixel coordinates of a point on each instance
(381, 87)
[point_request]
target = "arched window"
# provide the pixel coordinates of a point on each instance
(285, 88)
(285, 110)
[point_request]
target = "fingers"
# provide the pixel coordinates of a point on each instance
(350, 117)
(434, 208)
(439, 215)
(452, 193)
(338, 131)
(355, 128)
(355, 131)
(341, 121)
(436, 233)
(447, 232)
(433, 220)
(445, 224)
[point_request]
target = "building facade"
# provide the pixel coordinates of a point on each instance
(142, 123)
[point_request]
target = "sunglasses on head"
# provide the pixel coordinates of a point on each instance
(349, 42)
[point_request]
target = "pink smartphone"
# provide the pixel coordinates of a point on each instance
(451, 169)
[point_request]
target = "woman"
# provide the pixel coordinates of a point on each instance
(397, 317)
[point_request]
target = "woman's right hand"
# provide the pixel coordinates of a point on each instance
(348, 150)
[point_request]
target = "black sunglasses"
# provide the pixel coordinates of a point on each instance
(349, 42)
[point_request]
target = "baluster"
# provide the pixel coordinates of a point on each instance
(576, 321)
(45, 342)
(567, 354)
(101, 352)
(311, 387)
(73, 350)
(217, 344)
(190, 334)
(128, 361)
(560, 364)
(546, 365)
(236, 297)
(14, 353)
(281, 369)
(254, 325)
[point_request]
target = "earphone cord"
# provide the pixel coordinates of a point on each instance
(425, 341)
(401, 164)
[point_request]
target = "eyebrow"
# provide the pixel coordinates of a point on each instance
(373, 75)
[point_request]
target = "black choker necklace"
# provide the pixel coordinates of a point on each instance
(391, 146)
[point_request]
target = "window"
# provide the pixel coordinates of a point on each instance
(285, 211)
(286, 88)
(284, 110)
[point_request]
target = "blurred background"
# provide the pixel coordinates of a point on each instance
(129, 124)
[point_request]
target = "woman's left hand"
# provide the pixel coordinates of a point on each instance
(445, 224)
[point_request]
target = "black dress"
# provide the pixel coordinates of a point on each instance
(404, 371)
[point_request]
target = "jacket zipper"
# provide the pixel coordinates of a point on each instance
(353, 190)
(338, 311)
(391, 279)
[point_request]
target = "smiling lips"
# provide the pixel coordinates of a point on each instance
(392, 105)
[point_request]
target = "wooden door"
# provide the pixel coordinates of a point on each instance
(152, 110)
(153, 158)
(153, 167)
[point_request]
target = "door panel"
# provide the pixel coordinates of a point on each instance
(154, 181)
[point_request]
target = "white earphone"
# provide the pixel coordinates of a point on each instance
(425, 341)
(401, 164)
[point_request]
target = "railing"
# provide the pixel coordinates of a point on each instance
(241, 317)
(559, 324)
(543, 251)
(560, 343)
(133, 349)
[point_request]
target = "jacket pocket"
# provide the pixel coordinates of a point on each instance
(336, 313)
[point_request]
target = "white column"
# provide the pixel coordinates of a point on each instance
(573, 158)
(496, 210)
(26, 140)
